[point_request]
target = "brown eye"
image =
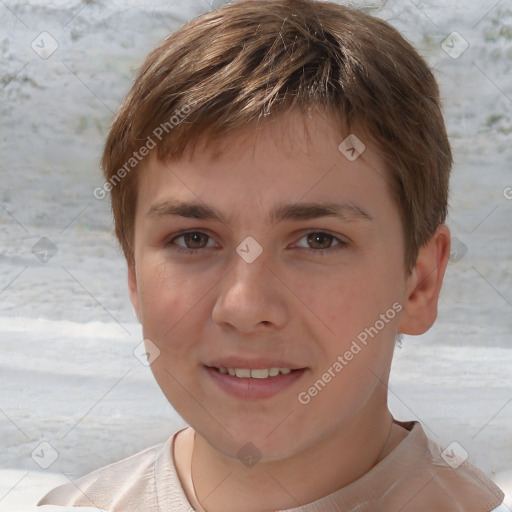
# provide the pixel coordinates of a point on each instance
(193, 239)
(321, 243)
(193, 242)
(320, 240)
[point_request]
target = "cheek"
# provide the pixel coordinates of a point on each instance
(355, 306)
(166, 297)
(340, 303)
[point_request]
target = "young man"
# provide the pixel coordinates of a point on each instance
(279, 178)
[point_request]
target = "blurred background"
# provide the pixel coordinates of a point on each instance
(73, 395)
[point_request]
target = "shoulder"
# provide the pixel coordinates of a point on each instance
(450, 480)
(122, 485)
(465, 483)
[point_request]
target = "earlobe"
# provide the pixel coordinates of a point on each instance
(424, 285)
(132, 287)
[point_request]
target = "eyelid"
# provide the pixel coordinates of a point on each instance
(174, 236)
(337, 236)
(341, 243)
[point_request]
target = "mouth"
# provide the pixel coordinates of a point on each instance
(258, 373)
(262, 382)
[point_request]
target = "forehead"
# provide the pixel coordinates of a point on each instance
(292, 133)
(291, 158)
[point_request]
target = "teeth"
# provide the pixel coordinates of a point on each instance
(259, 374)
(246, 373)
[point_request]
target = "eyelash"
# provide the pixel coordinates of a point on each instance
(317, 252)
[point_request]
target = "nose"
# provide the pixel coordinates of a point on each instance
(251, 297)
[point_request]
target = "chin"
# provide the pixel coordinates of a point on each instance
(256, 441)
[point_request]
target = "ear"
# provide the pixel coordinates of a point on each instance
(132, 287)
(424, 284)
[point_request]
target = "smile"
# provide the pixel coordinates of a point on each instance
(246, 373)
(255, 383)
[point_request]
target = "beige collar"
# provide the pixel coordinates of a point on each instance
(414, 477)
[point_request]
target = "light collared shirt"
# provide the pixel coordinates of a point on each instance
(414, 477)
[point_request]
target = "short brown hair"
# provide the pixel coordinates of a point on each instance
(237, 65)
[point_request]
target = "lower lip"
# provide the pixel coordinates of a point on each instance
(254, 388)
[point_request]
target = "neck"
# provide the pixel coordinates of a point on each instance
(224, 484)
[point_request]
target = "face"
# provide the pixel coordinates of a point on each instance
(293, 258)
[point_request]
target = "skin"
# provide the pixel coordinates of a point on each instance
(290, 303)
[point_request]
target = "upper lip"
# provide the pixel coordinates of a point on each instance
(253, 364)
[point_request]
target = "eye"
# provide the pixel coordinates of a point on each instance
(194, 241)
(320, 242)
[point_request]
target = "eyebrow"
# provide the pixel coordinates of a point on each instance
(347, 212)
